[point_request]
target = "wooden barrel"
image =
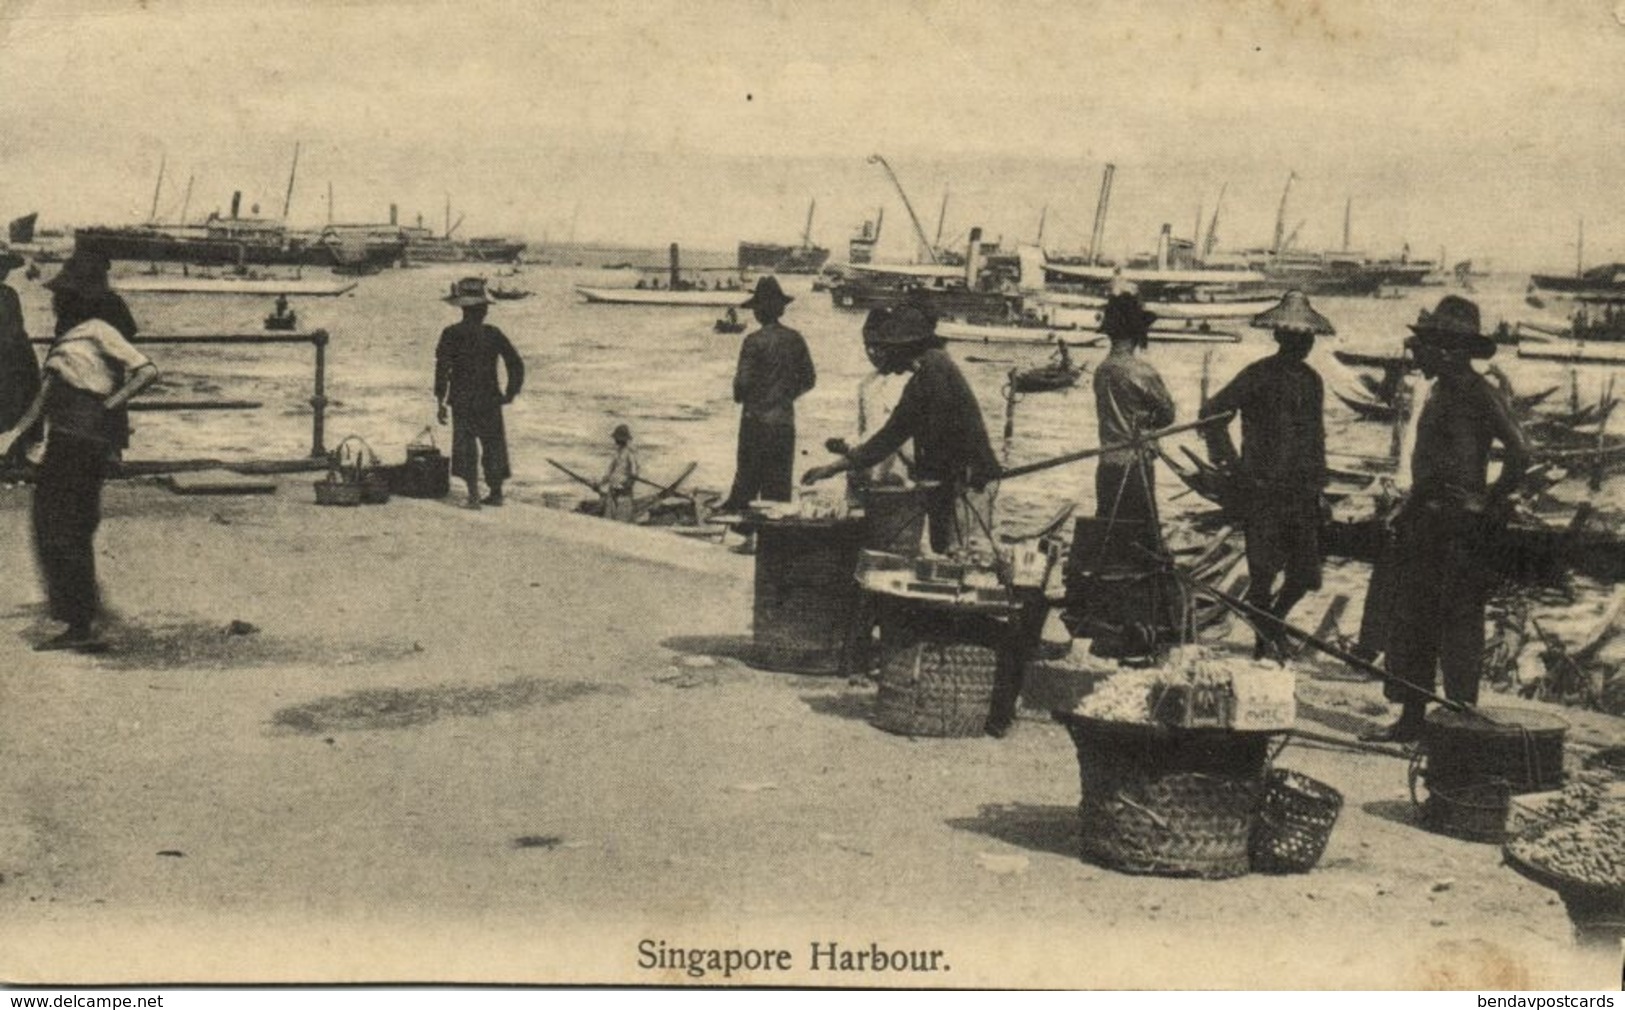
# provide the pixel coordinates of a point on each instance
(805, 593)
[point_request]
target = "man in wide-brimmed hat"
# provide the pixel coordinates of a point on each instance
(465, 383)
(19, 369)
(1129, 396)
(1281, 471)
(774, 370)
(616, 489)
(1435, 620)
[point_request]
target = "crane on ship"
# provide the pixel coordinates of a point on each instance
(919, 229)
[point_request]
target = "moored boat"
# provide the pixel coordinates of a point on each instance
(662, 296)
(260, 286)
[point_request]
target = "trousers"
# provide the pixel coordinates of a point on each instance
(67, 512)
(1435, 617)
(763, 463)
(478, 439)
(1125, 490)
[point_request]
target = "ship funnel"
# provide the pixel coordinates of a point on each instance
(674, 266)
(973, 257)
(236, 201)
(1162, 246)
(394, 215)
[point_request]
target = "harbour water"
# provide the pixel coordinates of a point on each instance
(666, 373)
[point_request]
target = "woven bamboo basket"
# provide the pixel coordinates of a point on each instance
(1295, 819)
(934, 688)
(1597, 911)
(1169, 802)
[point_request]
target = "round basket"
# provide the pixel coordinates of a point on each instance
(934, 688)
(1596, 910)
(1295, 819)
(1520, 747)
(1473, 813)
(1171, 802)
(336, 492)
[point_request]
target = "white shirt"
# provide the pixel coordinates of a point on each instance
(84, 357)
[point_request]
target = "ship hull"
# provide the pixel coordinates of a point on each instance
(160, 247)
(761, 257)
(647, 296)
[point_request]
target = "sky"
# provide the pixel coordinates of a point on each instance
(1486, 130)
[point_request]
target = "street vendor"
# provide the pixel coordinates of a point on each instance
(878, 393)
(937, 410)
(1130, 397)
(1441, 578)
(1281, 472)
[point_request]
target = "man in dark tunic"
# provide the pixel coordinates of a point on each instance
(1129, 397)
(1282, 468)
(774, 370)
(465, 381)
(19, 368)
(937, 410)
(1441, 581)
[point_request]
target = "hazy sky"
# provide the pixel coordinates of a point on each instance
(1487, 128)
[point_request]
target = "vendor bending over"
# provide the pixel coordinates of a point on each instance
(937, 410)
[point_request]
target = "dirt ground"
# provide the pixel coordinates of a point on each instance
(411, 742)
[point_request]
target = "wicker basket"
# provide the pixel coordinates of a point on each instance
(1295, 819)
(1171, 802)
(332, 490)
(934, 688)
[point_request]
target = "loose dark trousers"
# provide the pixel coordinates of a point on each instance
(478, 437)
(1435, 612)
(67, 511)
(764, 463)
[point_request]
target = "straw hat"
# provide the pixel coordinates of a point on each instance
(1294, 313)
(1452, 326)
(768, 295)
(468, 291)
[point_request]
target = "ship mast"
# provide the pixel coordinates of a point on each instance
(152, 215)
(806, 233)
(287, 201)
(1098, 233)
(1348, 209)
(942, 215)
(186, 202)
(1042, 215)
(1280, 217)
(919, 231)
(1213, 225)
(1580, 251)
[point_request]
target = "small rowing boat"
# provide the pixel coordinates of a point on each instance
(1044, 378)
(663, 296)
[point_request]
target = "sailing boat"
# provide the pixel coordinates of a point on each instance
(765, 257)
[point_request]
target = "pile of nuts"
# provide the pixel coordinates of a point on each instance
(1585, 838)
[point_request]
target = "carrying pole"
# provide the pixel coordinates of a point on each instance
(1137, 442)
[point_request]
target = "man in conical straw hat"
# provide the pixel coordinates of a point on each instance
(1281, 470)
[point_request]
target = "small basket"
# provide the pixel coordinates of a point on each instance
(332, 490)
(354, 476)
(1295, 819)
